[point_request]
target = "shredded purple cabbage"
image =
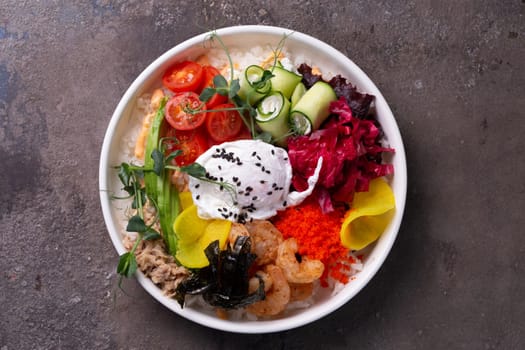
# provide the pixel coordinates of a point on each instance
(351, 150)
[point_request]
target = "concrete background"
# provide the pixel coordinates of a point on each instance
(453, 74)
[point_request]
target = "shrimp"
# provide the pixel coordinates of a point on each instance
(253, 283)
(300, 291)
(265, 241)
(237, 230)
(304, 271)
(276, 298)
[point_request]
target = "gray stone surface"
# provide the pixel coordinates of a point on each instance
(453, 74)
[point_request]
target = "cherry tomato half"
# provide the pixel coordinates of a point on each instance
(192, 143)
(223, 125)
(183, 76)
(209, 73)
(178, 111)
(244, 134)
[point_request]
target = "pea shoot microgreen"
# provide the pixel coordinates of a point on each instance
(131, 177)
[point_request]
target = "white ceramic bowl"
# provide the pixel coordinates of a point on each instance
(330, 60)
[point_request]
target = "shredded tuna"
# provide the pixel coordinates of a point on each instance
(158, 265)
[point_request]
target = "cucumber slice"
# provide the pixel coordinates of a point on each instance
(284, 81)
(312, 106)
(300, 123)
(252, 88)
(298, 92)
(272, 115)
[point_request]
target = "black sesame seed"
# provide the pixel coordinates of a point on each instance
(259, 158)
(269, 193)
(235, 179)
(254, 198)
(273, 152)
(198, 197)
(284, 204)
(257, 164)
(262, 182)
(197, 185)
(268, 172)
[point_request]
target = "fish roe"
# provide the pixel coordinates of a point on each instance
(317, 235)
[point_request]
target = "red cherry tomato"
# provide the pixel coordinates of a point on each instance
(244, 134)
(192, 143)
(178, 111)
(223, 125)
(183, 76)
(209, 73)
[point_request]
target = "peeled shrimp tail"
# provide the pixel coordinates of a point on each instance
(276, 298)
(305, 271)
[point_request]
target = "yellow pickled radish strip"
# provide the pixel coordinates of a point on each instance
(216, 230)
(188, 226)
(185, 199)
(370, 214)
(192, 254)
(195, 234)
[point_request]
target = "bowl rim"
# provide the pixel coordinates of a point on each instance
(260, 326)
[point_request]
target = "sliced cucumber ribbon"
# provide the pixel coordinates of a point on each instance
(298, 92)
(300, 123)
(271, 106)
(252, 86)
(284, 81)
(312, 108)
(272, 115)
